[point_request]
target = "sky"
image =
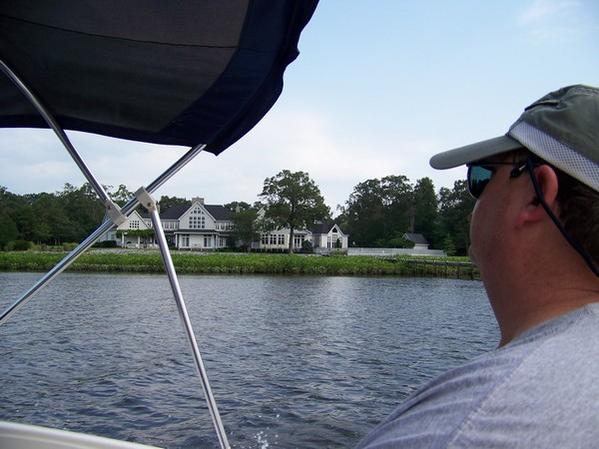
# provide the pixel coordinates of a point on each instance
(378, 88)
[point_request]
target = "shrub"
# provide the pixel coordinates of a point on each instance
(69, 246)
(106, 244)
(19, 245)
(449, 245)
(307, 247)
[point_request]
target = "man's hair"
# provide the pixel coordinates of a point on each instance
(579, 212)
(578, 203)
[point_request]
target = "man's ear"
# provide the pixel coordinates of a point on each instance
(533, 210)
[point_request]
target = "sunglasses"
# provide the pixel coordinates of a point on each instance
(479, 174)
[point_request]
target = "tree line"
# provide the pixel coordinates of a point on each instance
(380, 211)
(377, 213)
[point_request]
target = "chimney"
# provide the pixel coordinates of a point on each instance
(197, 199)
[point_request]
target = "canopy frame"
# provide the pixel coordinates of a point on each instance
(114, 217)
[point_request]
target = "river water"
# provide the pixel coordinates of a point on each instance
(294, 361)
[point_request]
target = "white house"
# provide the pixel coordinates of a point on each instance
(329, 236)
(125, 238)
(200, 226)
(323, 237)
(189, 226)
(279, 239)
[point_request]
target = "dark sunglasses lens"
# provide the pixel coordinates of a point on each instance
(478, 178)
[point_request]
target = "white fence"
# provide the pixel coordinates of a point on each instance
(385, 252)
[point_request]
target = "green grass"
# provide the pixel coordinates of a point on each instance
(228, 263)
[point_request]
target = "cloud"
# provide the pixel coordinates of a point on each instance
(540, 11)
(556, 20)
(307, 140)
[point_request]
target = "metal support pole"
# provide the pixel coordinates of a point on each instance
(111, 208)
(118, 216)
(99, 232)
(149, 203)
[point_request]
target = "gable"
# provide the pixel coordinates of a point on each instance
(327, 228)
(197, 217)
(134, 221)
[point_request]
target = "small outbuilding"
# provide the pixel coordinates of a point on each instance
(419, 240)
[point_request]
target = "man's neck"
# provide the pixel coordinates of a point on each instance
(529, 301)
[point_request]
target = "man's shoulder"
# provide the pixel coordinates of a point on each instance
(484, 398)
(550, 398)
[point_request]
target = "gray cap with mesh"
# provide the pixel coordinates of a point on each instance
(561, 128)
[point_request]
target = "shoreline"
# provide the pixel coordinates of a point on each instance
(149, 261)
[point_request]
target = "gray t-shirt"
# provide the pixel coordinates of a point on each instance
(539, 391)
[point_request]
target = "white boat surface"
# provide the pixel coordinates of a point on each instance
(28, 436)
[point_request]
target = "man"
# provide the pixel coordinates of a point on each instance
(535, 238)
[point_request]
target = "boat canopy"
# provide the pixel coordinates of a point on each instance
(178, 73)
(190, 72)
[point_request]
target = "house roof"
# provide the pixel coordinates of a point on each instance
(323, 228)
(416, 238)
(217, 211)
(174, 212)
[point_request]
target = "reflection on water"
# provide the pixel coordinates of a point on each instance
(294, 361)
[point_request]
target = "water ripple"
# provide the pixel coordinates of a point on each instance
(294, 362)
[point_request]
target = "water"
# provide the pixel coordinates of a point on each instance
(294, 362)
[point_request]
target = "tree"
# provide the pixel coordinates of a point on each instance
(398, 241)
(166, 202)
(8, 229)
(10, 205)
(455, 207)
(364, 213)
(293, 200)
(379, 212)
(246, 227)
(398, 198)
(237, 205)
(425, 210)
(122, 195)
(83, 207)
(49, 211)
(448, 245)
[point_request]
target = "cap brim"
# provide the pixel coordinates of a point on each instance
(474, 152)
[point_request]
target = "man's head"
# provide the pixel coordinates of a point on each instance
(551, 152)
(535, 226)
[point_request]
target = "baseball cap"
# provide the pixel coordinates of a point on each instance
(561, 128)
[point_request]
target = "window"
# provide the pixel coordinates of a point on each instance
(264, 239)
(273, 239)
(185, 240)
(197, 222)
(134, 224)
(207, 242)
(298, 240)
(281, 239)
